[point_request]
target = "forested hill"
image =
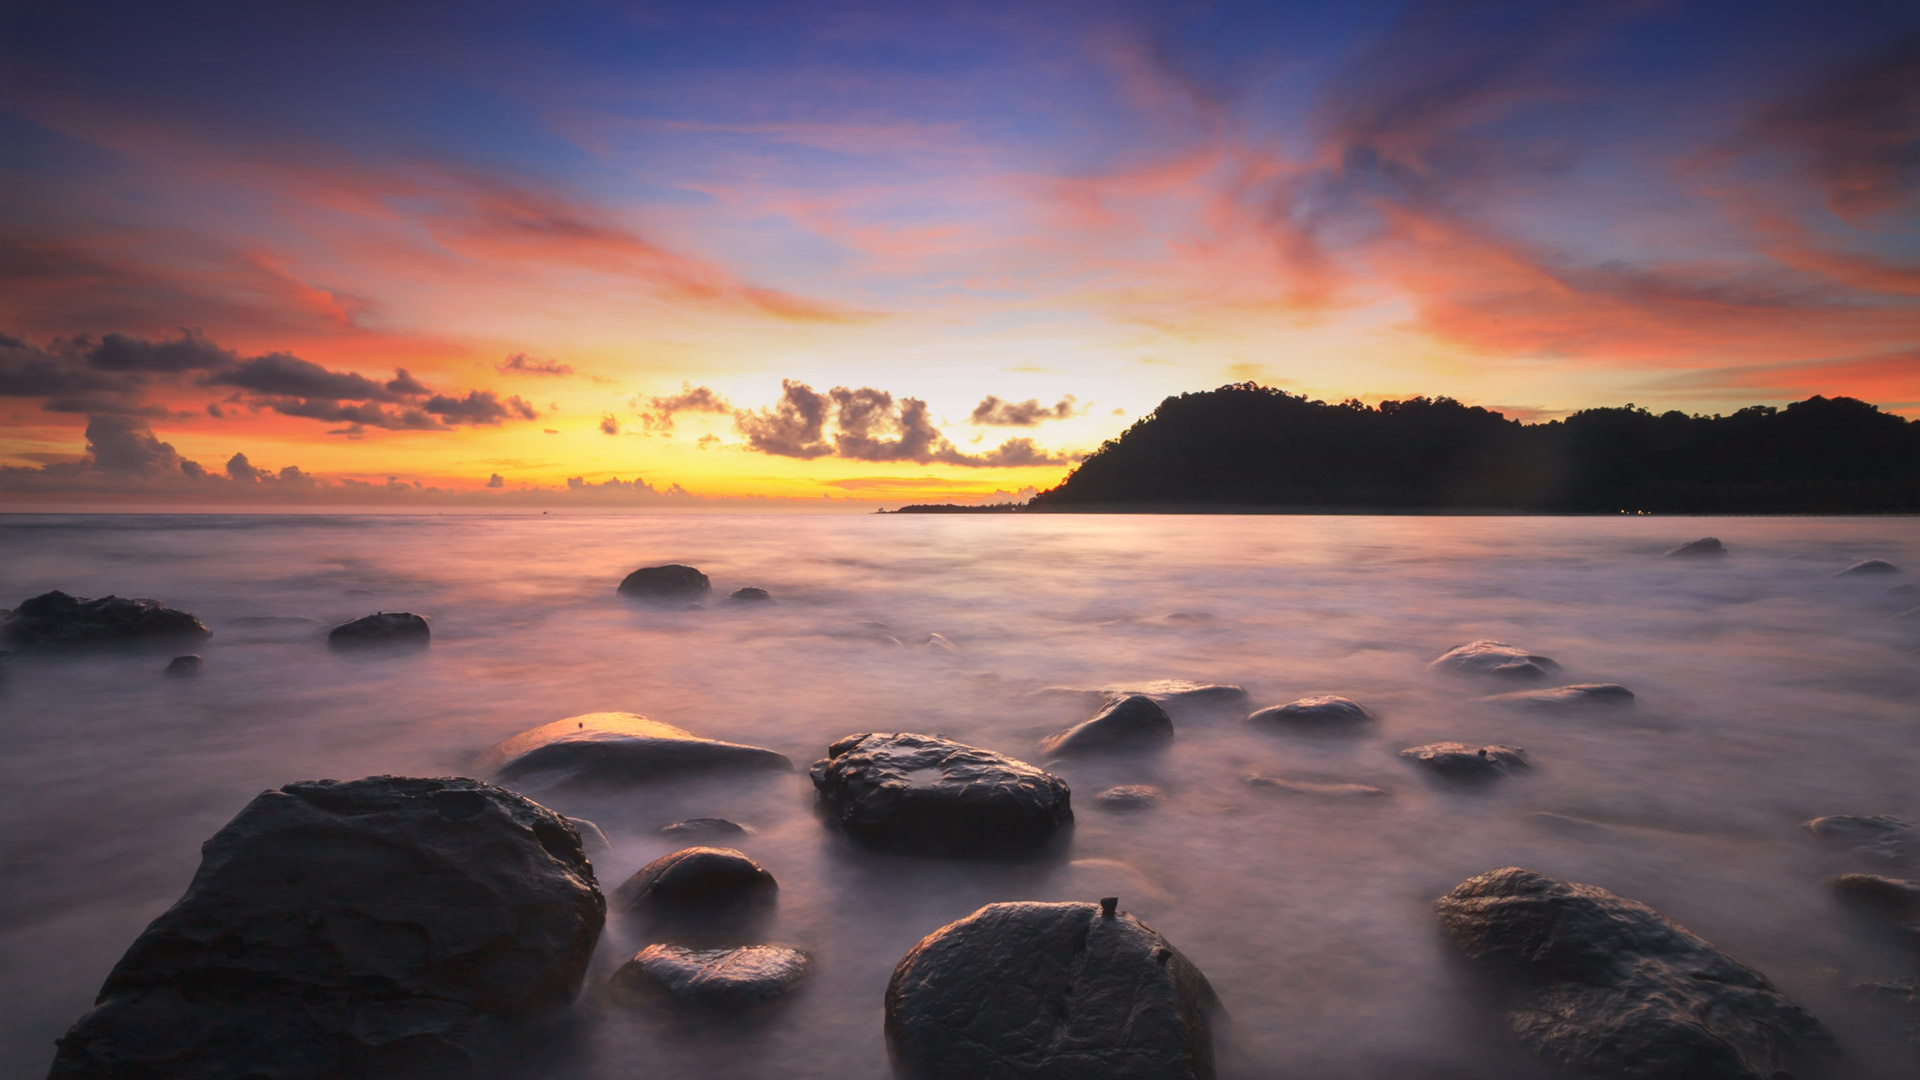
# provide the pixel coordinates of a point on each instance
(1256, 447)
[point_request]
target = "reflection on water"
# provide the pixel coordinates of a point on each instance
(1769, 692)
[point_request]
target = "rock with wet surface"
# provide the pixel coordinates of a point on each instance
(1134, 722)
(55, 620)
(1129, 797)
(387, 629)
(926, 795)
(696, 879)
(694, 828)
(750, 595)
(381, 927)
(185, 667)
(1868, 568)
(669, 584)
(1314, 714)
(1566, 698)
(1877, 836)
(1316, 788)
(1459, 761)
(1890, 899)
(1605, 987)
(1062, 991)
(1495, 659)
(1705, 547)
(722, 979)
(615, 748)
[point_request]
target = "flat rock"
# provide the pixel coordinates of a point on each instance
(696, 878)
(1867, 568)
(931, 796)
(1129, 797)
(1605, 987)
(1496, 659)
(1878, 836)
(185, 667)
(1316, 788)
(1166, 691)
(1134, 722)
(381, 927)
(1459, 761)
(750, 595)
(386, 629)
(55, 620)
(615, 748)
(1324, 713)
(1706, 546)
(1561, 698)
(1063, 991)
(690, 828)
(672, 583)
(725, 979)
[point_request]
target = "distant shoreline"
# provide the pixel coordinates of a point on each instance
(1185, 509)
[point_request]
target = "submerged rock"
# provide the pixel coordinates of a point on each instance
(1063, 991)
(1135, 722)
(1458, 761)
(1705, 546)
(1604, 987)
(378, 927)
(672, 583)
(1129, 797)
(931, 796)
(1496, 659)
(385, 629)
(1166, 691)
(55, 620)
(615, 748)
(1319, 788)
(696, 878)
(185, 667)
(736, 978)
(1887, 898)
(939, 643)
(1878, 836)
(703, 826)
(1576, 696)
(750, 595)
(1868, 567)
(1325, 713)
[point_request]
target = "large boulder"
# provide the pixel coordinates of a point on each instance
(384, 927)
(1705, 547)
(1314, 714)
(57, 621)
(1606, 987)
(696, 879)
(717, 979)
(1879, 836)
(386, 629)
(614, 748)
(1459, 761)
(1134, 722)
(1566, 698)
(1495, 659)
(1062, 991)
(672, 583)
(931, 796)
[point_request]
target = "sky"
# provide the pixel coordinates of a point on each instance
(694, 255)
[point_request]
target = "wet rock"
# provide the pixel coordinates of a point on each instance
(723, 979)
(592, 840)
(387, 629)
(1063, 991)
(1325, 713)
(696, 878)
(1868, 568)
(615, 748)
(672, 583)
(1135, 722)
(1129, 797)
(1317, 788)
(1885, 898)
(1878, 836)
(185, 667)
(1564, 698)
(750, 595)
(1496, 659)
(931, 796)
(939, 642)
(378, 927)
(692, 828)
(1706, 546)
(1604, 987)
(57, 621)
(1458, 761)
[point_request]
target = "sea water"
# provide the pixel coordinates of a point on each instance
(1769, 692)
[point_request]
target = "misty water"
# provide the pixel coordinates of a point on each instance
(1769, 692)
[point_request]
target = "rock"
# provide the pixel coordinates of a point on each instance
(1886, 897)
(592, 840)
(1562, 698)
(749, 595)
(939, 643)
(1135, 722)
(57, 621)
(1602, 986)
(703, 826)
(1496, 659)
(1878, 836)
(1129, 797)
(930, 796)
(387, 629)
(1458, 761)
(1062, 991)
(1325, 713)
(1317, 788)
(1706, 546)
(696, 878)
(737, 978)
(1868, 567)
(185, 667)
(672, 583)
(1166, 691)
(615, 748)
(380, 927)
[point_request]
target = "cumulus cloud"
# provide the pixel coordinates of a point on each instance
(522, 364)
(866, 424)
(496, 481)
(660, 411)
(609, 424)
(997, 413)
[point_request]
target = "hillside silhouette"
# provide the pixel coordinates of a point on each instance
(1252, 447)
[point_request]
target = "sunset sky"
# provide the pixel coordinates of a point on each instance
(487, 254)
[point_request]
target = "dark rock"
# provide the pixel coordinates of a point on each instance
(703, 826)
(1326, 713)
(696, 878)
(1887, 898)
(185, 667)
(1321, 789)
(1135, 722)
(1496, 659)
(1458, 761)
(1878, 836)
(1707, 546)
(1868, 567)
(671, 583)
(724, 979)
(1129, 797)
(749, 595)
(57, 621)
(1063, 991)
(1165, 691)
(1561, 698)
(614, 748)
(1605, 987)
(383, 927)
(930, 796)
(387, 629)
